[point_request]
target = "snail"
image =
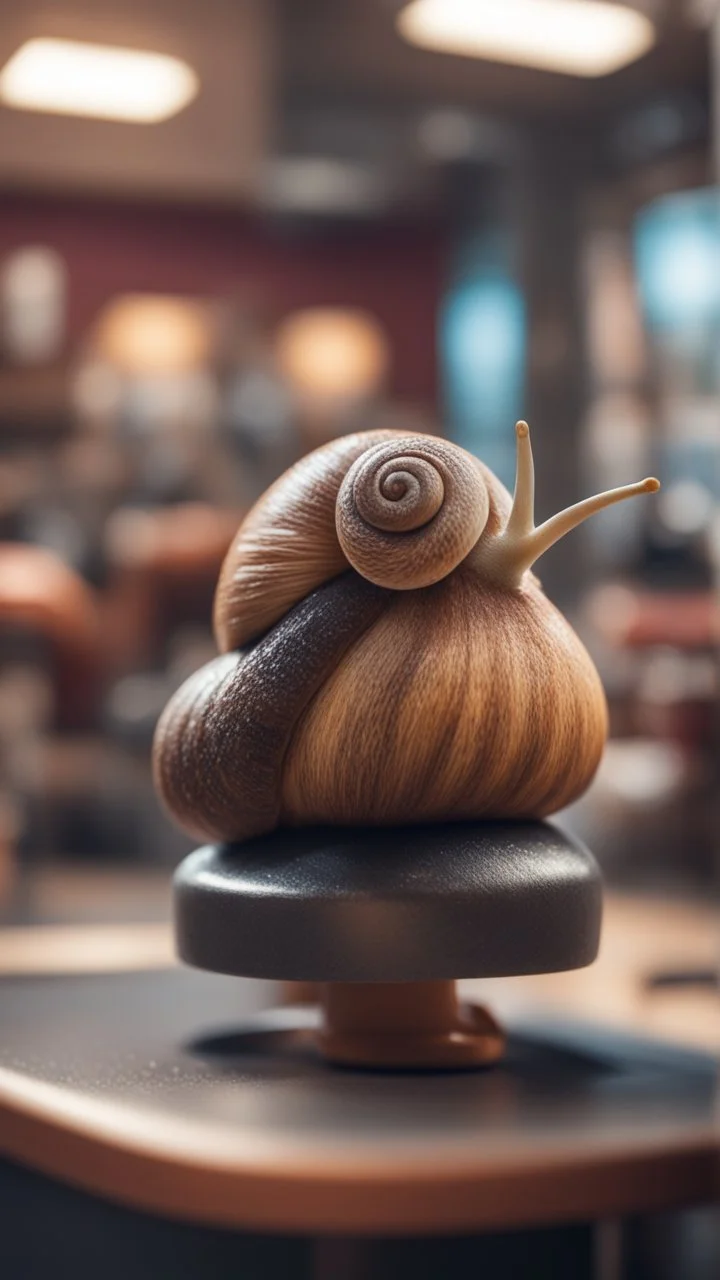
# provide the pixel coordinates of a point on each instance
(387, 654)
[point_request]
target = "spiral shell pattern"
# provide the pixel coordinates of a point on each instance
(410, 510)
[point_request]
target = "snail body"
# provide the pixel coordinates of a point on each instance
(386, 654)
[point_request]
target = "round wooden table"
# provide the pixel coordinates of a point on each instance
(173, 1110)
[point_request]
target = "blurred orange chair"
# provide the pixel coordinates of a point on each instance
(43, 598)
(51, 686)
(164, 564)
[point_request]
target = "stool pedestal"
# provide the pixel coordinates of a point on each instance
(405, 1024)
(386, 920)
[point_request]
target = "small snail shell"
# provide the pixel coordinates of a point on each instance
(423, 489)
(388, 656)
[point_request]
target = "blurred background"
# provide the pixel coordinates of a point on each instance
(231, 230)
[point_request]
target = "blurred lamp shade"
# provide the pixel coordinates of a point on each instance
(574, 37)
(333, 354)
(153, 334)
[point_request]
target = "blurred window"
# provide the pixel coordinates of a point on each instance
(482, 350)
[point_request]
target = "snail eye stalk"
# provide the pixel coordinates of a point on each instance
(522, 542)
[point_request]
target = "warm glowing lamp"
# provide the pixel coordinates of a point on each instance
(332, 353)
(71, 77)
(575, 37)
(150, 334)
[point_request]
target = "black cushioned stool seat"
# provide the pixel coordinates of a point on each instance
(409, 904)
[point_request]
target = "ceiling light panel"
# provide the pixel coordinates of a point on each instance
(69, 77)
(574, 37)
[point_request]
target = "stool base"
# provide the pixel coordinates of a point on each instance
(405, 1025)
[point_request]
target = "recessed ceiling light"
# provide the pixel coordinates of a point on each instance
(69, 77)
(576, 37)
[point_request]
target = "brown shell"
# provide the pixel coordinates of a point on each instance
(410, 510)
(459, 702)
(362, 704)
(288, 545)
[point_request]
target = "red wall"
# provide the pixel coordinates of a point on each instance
(109, 248)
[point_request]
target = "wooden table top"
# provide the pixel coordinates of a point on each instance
(180, 1094)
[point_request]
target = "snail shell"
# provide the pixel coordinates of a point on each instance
(435, 497)
(307, 528)
(375, 667)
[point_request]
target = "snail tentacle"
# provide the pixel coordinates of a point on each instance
(505, 558)
(522, 516)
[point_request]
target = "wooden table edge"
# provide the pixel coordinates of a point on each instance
(85, 1143)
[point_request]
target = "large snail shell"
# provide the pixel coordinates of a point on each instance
(460, 701)
(372, 674)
